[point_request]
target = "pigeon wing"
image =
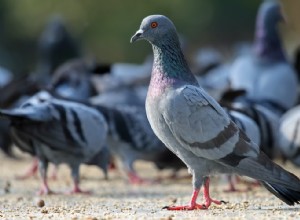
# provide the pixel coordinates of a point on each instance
(201, 125)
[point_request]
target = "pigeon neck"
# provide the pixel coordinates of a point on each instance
(267, 43)
(170, 64)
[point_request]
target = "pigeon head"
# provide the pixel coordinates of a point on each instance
(267, 39)
(169, 65)
(270, 13)
(156, 29)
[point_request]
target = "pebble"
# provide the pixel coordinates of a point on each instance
(40, 203)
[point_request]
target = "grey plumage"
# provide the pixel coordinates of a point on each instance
(73, 79)
(57, 131)
(289, 135)
(265, 120)
(266, 74)
(195, 127)
(131, 138)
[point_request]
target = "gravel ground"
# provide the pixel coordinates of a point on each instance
(116, 199)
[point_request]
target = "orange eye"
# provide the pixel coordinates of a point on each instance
(154, 24)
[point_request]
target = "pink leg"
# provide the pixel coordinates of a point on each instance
(136, 180)
(206, 195)
(54, 173)
(32, 171)
(192, 206)
(76, 189)
(232, 187)
(45, 190)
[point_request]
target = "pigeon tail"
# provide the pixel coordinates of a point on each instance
(20, 115)
(288, 196)
(265, 170)
(12, 115)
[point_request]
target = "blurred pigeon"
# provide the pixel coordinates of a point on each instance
(289, 135)
(55, 46)
(265, 120)
(215, 82)
(195, 127)
(131, 138)
(73, 80)
(128, 96)
(266, 75)
(5, 76)
(123, 75)
(11, 95)
(207, 59)
(57, 131)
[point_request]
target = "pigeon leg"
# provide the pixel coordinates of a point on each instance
(30, 172)
(45, 190)
(232, 187)
(137, 180)
(53, 175)
(208, 200)
(134, 178)
(75, 175)
(193, 205)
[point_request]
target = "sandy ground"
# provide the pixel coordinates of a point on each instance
(116, 199)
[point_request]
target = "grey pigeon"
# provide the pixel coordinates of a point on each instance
(123, 75)
(55, 46)
(130, 138)
(266, 75)
(266, 121)
(196, 128)
(289, 135)
(72, 79)
(57, 131)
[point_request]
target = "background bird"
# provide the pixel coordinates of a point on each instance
(73, 80)
(195, 127)
(130, 138)
(266, 74)
(289, 135)
(57, 131)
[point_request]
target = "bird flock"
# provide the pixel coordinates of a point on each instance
(211, 118)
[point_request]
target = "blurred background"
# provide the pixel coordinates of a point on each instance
(103, 28)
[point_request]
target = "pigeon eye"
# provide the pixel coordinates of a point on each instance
(154, 24)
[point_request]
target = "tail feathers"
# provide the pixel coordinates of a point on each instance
(288, 196)
(264, 169)
(24, 115)
(13, 115)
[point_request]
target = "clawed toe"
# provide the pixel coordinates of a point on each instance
(185, 208)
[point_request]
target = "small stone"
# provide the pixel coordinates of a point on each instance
(40, 203)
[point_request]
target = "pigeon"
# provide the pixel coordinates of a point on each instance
(207, 59)
(56, 45)
(264, 119)
(289, 135)
(72, 80)
(127, 96)
(196, 128)
(131, 138)
(57, 131)
(123, 75)
(266, 75)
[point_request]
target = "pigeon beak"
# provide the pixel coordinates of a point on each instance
(137, 36)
